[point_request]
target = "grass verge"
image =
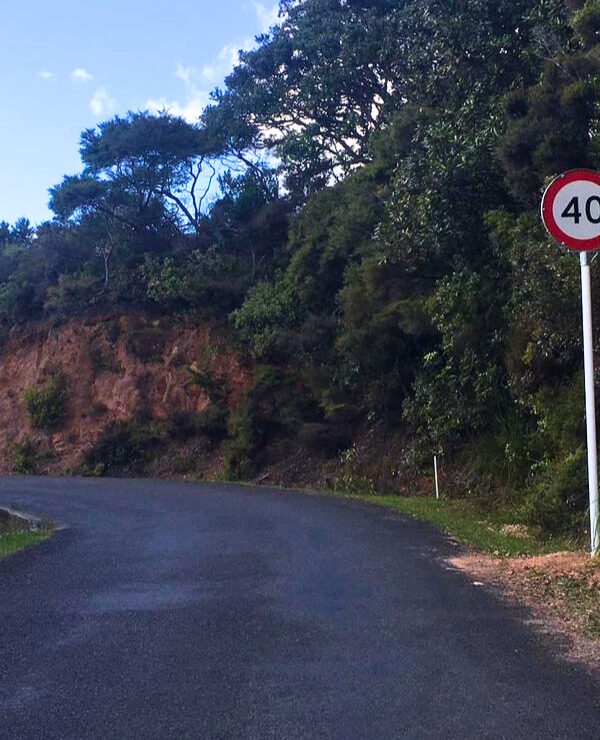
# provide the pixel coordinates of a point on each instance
(11, 542)
(493, 531)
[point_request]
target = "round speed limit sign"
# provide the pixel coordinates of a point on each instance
(571, 209)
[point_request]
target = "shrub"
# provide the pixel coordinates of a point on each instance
(557, 504)
(124, 446)
(46, 406)
(25, 457)
(242, 451)
(214, 387)
(352, 479)
(323, 438)
(211, 423)
(274, 407)
(182, 425)
(70, 293)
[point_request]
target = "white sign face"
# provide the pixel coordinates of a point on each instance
(576, 209)
(571, 209)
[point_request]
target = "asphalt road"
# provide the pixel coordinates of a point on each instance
(168, 610)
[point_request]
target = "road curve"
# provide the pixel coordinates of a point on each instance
(171, 610)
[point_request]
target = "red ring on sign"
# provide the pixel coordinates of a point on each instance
(571, 242)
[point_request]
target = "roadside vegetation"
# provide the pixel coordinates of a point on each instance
(11, 542)
(490, 529)
(46, 405)
(357, 209)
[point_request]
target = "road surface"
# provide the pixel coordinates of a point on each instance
(171, 610)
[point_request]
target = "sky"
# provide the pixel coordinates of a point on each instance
(67, 65)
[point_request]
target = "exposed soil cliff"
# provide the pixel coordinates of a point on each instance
(116, 368)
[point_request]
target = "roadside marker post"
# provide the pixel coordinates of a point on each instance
(437, 487)
(571, 214)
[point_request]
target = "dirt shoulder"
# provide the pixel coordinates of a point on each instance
(561, 589)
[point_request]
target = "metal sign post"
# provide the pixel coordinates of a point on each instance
(571, 214)
(590, 397)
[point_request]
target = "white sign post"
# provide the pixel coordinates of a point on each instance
(590, 397)
(571, 214)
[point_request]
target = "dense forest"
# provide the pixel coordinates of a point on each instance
(359, 208)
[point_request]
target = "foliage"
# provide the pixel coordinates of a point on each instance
(273, 408)
(124, 447)
(323, 438)
(214, 387)
(46, 405)
(557, 502)
(25, 457)
(475, 523)
(269, 310)
(211, 423)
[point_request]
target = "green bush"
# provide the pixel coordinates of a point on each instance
(557, 503)
(214, 387)
(242, 450)
(182, 425)
(124, 447)
(323, 438)
(46, 406)
(211, 423)
(24, 457)
(276, 406)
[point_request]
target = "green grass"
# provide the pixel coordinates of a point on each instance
(475, 523)
(472, 523)
(11, 542)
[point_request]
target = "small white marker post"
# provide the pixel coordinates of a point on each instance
(590, 397)
(571, 214)
(437, 487)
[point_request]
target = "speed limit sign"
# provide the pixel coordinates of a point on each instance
(571, 214)
(571, 210)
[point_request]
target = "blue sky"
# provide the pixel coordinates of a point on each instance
(67, 65)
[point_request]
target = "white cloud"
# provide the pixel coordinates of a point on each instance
(197, 85)
(190, 110)
(44, 74)
(101, 102)
(81, 75)
(199, 82)
(209, 72)
(267, 17)
(184, 73)
(225, 61)
(194, 102)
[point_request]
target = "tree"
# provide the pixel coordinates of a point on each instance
(156, 164)
(553, 125)
(314, 90)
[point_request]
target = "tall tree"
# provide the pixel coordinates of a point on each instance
(149, 161)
